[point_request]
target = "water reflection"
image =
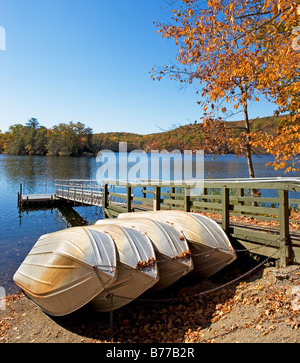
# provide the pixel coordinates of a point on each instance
(72, 217)
(34, 171)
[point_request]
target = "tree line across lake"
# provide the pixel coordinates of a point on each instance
(75, 139)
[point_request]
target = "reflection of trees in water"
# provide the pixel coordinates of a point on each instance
(18, 169)
(65, 167)
(38, 172)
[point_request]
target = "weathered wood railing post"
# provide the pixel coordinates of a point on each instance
(187, 199)
(225, 209)
(205, 200)
(105, 200)
(20, 196)
(156, 198)
(129, 199)
(241, 193)
(173, 191)
(144, 192)
(284, 215)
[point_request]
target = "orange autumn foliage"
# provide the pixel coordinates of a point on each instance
(240, 51)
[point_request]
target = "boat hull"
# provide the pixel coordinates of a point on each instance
(63, 271)
(210, 247)
(136, 268)
(170, 246)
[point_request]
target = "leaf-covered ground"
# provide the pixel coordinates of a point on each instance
(261, 307)
(294, 220)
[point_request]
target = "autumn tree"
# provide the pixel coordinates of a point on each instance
(70, 139)
(228, 48)
(15, 141)
(34, 137)
(1, 142)
(281, 80)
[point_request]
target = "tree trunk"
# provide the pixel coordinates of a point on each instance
(248, 146)
(254, 192)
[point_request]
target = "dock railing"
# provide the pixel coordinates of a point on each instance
(261, 214)
(81, 191)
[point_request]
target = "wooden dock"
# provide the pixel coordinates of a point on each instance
(274, 201)
(37, 201)
(38, 198)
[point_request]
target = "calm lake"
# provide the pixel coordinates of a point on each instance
(20, 231)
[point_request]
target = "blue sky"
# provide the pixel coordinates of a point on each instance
(90, 61)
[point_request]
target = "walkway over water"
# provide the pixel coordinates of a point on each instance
(260, 214)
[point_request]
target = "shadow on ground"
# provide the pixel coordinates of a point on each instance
(163, 322)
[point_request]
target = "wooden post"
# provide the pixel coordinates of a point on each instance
(204, 200)
(241, 193)
(144, 192)
(284, 215)
(20, 196)
(105, 195)
(187, 199)
(105, 200)
(225, 210)
(156, 198)
(129, 209)
(173, 191)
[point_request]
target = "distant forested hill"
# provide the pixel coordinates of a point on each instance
(77, 139)
(188, 137)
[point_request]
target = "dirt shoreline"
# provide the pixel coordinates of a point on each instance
(262, 307)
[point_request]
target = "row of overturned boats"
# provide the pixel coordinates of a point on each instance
(114, 262)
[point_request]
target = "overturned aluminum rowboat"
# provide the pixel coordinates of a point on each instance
(210, 247)
(171, 248)
(136, 268)
(67, 269)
